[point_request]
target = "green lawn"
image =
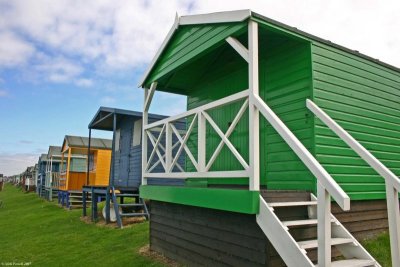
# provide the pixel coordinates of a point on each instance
(35, 231)
(380, 249)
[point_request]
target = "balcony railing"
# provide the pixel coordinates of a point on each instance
(165, 132)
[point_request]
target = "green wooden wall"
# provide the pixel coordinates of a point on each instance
(364, 98)
(222, 81)
(285, 83)
(285, 75)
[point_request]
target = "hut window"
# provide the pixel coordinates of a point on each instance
(117, 138)
(137, 133)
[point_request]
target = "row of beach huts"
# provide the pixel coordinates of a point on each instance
(288, 153)
(83, 169)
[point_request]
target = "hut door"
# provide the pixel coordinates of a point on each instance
(124, 156)
(135, 155)
(124, 145)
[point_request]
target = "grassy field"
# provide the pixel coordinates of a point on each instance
(380, 249)
(35, 231)
(40, 233)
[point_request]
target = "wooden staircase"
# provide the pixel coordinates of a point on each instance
(131, 209)
(290, 223)
(75, 200)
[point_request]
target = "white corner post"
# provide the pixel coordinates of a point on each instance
(148, 96)
(254, 122)
(201, 142)
(392, 199)
(324, 226)
(168, 147)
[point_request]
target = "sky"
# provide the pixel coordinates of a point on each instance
(60, 60)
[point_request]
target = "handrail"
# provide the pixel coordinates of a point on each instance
(392, 181)
(305, 156)
(355, 145)
(218, 103)
(200, 118)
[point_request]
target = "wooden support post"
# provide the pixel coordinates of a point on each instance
(68, 167)
(254, 122)
(168, 147)
(148, 96)
(201, 142)
(392, 198)
(144, 138)
(108, 204)
(88, 158)
(84, 204)
(324, 226)
(92, 198)
(112, 169)
(50, 197)
(94, 204)
(61, 170)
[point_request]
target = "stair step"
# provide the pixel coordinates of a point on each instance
(292, 204)
(352, 263)
(309, 244)
(302, 222)
(130, 205)
(133, 214)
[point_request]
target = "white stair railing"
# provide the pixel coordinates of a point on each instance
(327, 186)
(391, 180)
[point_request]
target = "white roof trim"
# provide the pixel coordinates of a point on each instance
(217, 17)
(162, 47)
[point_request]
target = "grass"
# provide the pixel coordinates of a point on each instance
(379, 248)
(40, 233)
(35, 231)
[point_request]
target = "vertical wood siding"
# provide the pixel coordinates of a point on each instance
(364, 98)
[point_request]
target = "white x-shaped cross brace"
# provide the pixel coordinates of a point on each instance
(156, 142)
(183, 145)
(225, 137)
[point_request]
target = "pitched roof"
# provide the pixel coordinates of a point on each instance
(239, 16)
(103, 120)
(54, 151)
(82, 142)
(43, 157)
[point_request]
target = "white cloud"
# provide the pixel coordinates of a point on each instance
(14, 51)
(3, 93)
(83, 82)
(124, 35)
(11, 164)
(108, 100)
(59, 70)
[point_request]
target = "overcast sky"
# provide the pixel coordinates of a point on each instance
(60, 60)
